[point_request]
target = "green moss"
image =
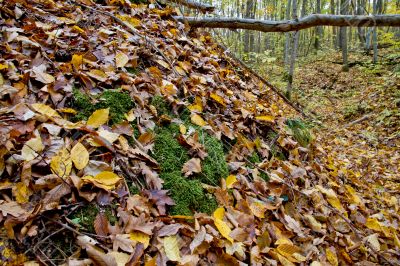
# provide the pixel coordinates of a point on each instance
(188, 193)
(111, 217)
(300, 131)
(167, 150)
(133, 189)
(85, 216)
(82, 103)
(161, 105)
(118, 102)
(254, 158)
(214, 166)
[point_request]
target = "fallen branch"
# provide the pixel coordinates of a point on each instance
(365, 117)
(293, 25)
(195, 5)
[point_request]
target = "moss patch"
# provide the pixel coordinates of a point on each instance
(187, 193)
(161, 105)
(118, 102)
(85, 216)
(300, 131)
(214, 165)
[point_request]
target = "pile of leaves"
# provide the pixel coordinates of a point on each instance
(201, 164)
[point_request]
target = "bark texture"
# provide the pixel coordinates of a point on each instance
(195, 5)
(294, 25)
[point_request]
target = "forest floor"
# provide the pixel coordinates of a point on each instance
(360, 116)
(126, 138)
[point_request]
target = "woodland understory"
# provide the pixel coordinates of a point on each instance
(130, 138)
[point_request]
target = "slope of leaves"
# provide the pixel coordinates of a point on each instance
(51, 167)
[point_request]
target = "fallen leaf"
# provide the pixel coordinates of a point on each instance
(61, 163)
(79, 156)
(98, 118)
(171, 248)
(31, 148)
(192, 166)
(105, 180)
(198, 120)
(121, 59)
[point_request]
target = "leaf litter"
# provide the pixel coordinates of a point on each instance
(282, 203)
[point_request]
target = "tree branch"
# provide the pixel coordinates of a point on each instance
(293, 25)
(195, 5)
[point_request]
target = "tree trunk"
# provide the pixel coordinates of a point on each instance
(287, 36)
(343, 36)
(318, 30)
(294, 54)
(334, 29)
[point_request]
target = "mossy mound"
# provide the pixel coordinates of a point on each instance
(214, 165)
(188, 192)
(119, 103)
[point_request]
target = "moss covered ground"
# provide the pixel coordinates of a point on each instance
(187, 192)
(118, 101)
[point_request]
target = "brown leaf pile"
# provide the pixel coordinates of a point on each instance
(307, 213)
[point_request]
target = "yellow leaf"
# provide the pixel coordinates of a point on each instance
(163, 63)
(331, 197)
(354, 198)
(68, 111)
(198, 120)
(287, 250)
(31, 148)
(105, 180)
(121, 59)
(141, 238)
(266, 118)
(217, 98)
(98, 74)
(45, 110)
(374, 224)
(130, 116)
(331, 256)
(223, 228)
(258, 209)
(21, 192)
(182, 129)
(396, 239)
(61, 163)
(284, 261)
(169, 89)
(171, 248)
(78, 29)
(98, 118)
(77, 61)
(313, 223)
(79, 156)
(230, 180)
(219, 213)
(197, 106)
(3, 66)
(180, 70)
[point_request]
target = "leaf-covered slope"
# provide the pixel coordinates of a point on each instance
(101, 191)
